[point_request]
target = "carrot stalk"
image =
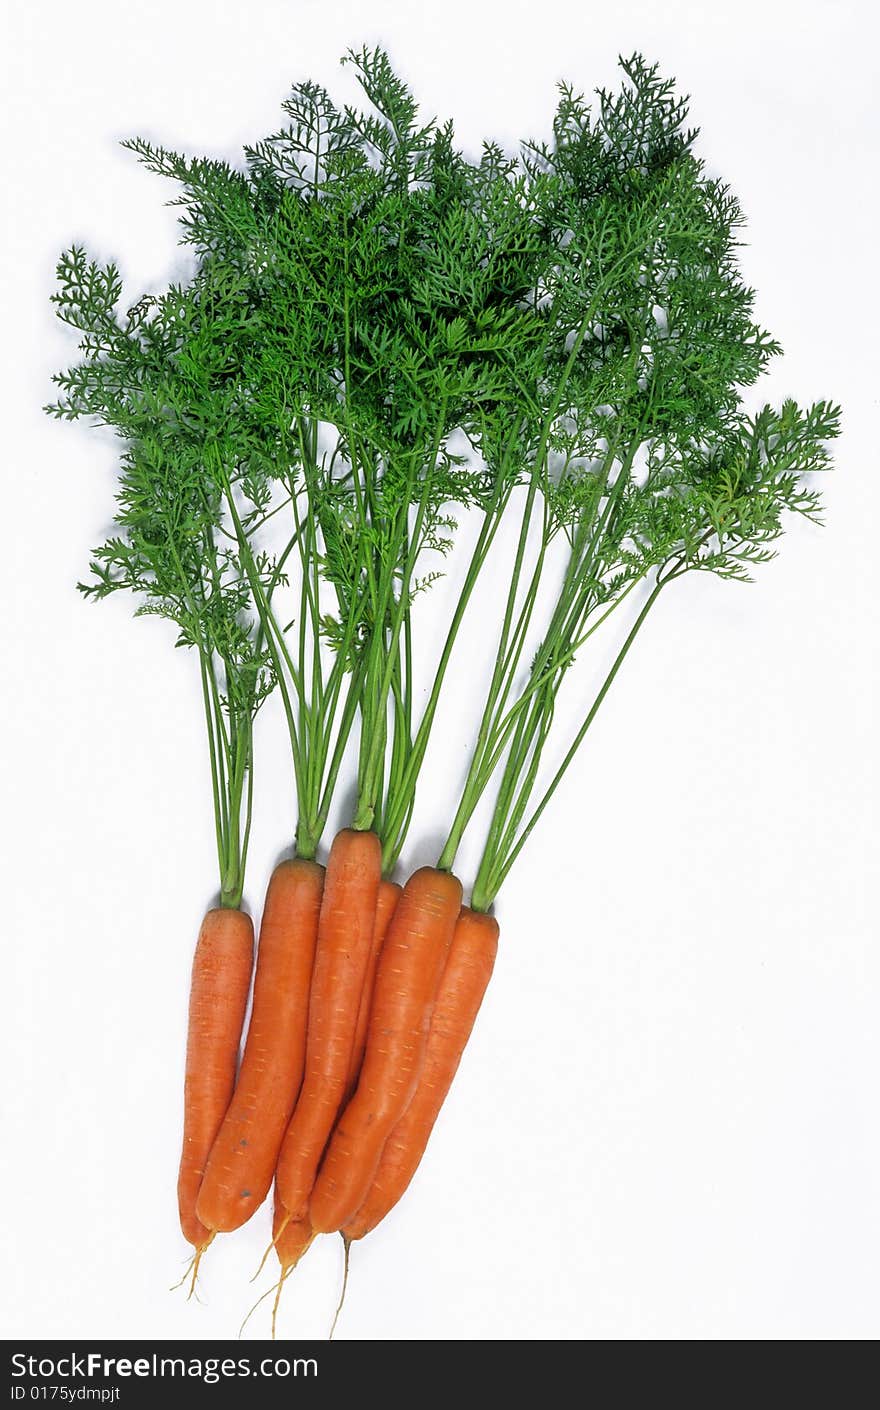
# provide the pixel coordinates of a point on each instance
(464, 983)
(411, 964)
(221, 979)
(242, 1161)
(345, 939)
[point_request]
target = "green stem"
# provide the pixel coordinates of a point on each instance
(274, 637)
(219, 817)
(469, 797)
(495, 866)
(401, 804)
(233, 876)
(370, 780)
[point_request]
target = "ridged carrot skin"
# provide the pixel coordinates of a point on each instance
(410, 967)
(345, 937)
(242, 1161)
(221, 981)
(462, 988)
(386, 905)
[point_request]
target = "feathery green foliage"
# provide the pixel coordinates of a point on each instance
(381, 334)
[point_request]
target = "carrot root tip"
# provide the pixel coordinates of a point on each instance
(249, 1315)
(280, 1288)
(191, 1271)
(346, 1242)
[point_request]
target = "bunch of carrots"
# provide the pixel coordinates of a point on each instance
(364, 998)
(379, 337)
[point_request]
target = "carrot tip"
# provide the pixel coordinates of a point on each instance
(280, 1289)
(249, 1315)
(191, 1271)
(195, 1268)
(346, 1241)
(269, 1250)
(276, 1287)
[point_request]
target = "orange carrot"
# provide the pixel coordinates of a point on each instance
(386, 904)
(221, 979)
(242, 1161)
(411, 964)
(465, 979)
(345, 935)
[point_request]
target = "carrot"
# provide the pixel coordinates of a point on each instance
(386, 904)
(345, 935)
(410, 967)
(465, 979)
(221, 978)
(242, 1161)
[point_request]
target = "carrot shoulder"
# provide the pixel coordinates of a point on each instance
(345, 934)
(410, 967)
(242, 1161)
(464, 983)
(221, 979)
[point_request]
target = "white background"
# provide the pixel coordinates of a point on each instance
(666, 1126)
